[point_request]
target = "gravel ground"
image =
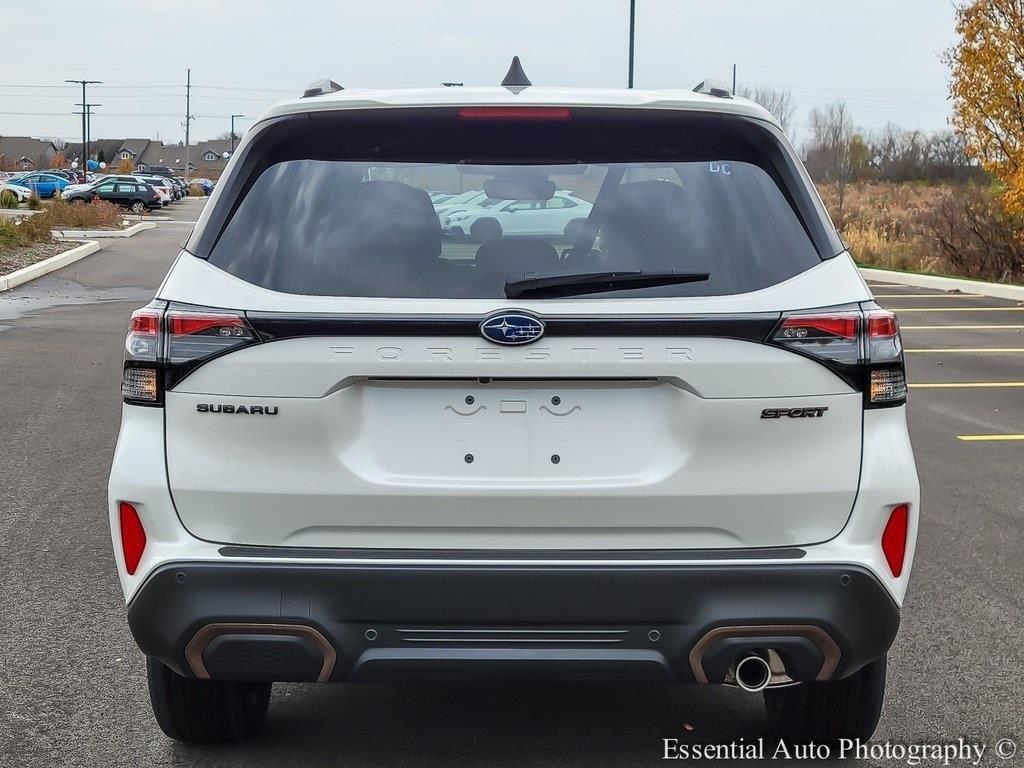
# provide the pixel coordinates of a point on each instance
(19, 258)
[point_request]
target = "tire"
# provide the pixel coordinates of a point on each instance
(205, 711)
(138, 207)
(485, 230)
(78, 201)
(827, 712)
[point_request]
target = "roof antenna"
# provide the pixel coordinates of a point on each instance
(516, 79)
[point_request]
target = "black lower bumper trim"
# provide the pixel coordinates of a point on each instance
(336, 553)
(388, 622)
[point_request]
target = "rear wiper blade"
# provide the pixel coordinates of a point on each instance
(553, 286)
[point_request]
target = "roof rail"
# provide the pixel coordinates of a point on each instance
(711, 87)
(320, 87)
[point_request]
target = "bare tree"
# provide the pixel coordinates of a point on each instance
(778, 102)
(898, 155)
(830, 155)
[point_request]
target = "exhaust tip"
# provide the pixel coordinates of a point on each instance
(753, 673)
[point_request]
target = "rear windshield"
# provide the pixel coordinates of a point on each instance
(333, 225)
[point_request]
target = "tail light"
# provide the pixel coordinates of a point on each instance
(133, 536)
(894, 538)
(863, 347)
(140, 383)
(166, 343)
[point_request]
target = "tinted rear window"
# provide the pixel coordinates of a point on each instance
(324, 219)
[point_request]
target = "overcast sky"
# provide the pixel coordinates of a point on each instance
(880, 56)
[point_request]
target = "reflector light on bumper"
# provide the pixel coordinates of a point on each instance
(894, 538)
(133, 536)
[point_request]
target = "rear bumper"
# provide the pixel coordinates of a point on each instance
(683, 623)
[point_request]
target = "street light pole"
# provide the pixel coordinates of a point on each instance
(233, 132)
(632, 35)
(85, 136)
(188, 119)
(88, 122)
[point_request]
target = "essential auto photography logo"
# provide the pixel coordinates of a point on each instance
(944, 753)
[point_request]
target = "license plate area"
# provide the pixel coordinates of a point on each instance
(521, 431)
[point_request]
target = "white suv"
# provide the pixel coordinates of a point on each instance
(560, 215)
(672, 448)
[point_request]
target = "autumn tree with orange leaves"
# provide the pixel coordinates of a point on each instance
(988, 90)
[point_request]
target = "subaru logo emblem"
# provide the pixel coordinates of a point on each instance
(511, 328)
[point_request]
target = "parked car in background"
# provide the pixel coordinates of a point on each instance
(180, 188)
(161, 185)
(461, 200)
(59, 172)
(134, 194)
(22, 193)
(485, 202)
(205, 184)
(43, 184)
(97, 179)
(536, 218)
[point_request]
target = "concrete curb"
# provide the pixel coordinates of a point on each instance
(996, 290)
(32, 271)
(17, 212)
(83, 234)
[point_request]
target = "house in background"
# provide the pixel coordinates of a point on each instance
(24, 153)
(204, 159)
(100, 150)
(208, 156)
(131, 150)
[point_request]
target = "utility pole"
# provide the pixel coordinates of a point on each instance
(632, 36)
(733, 79)
(85, 130)
(233, 132)
(188, 118)
(88, 129)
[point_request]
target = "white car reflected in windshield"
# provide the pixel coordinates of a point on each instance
(537, 218)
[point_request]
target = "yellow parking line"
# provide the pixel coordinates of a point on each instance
(968, 385)
(929, 295)
(948, 350)
(988, 438)
(960, 327)
(957, 309)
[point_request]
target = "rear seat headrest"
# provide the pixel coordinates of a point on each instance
(393, 218)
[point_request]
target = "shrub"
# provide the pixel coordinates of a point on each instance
(959, 230)
(97, 214)
(60, 214)
(196, 190)
(976, 236)
(8, 199)
(10, 234)
(34, 203)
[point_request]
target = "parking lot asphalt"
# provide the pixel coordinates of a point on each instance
(72, 686)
